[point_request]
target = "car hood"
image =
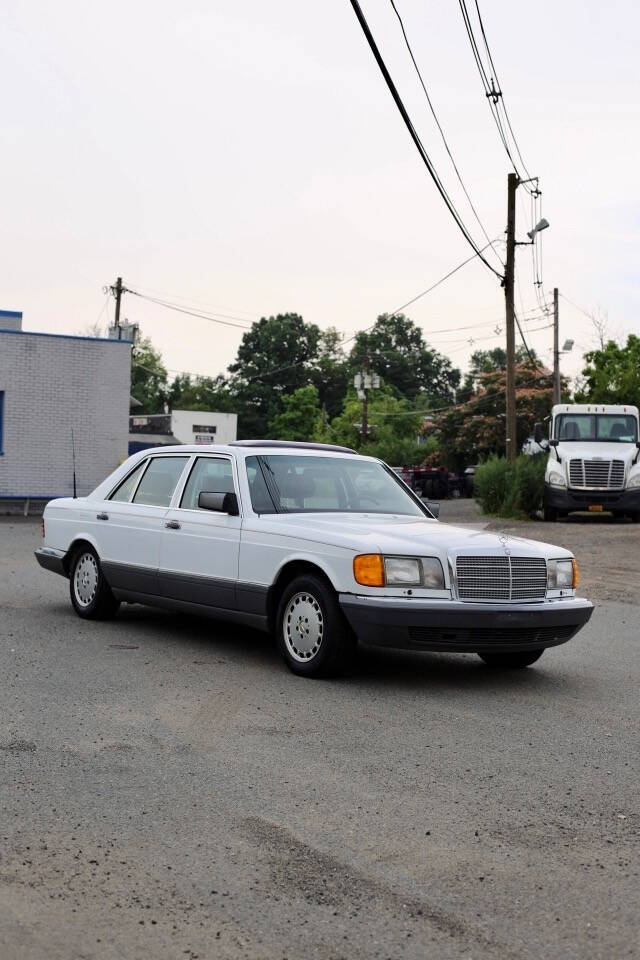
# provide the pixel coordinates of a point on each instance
(391, 534)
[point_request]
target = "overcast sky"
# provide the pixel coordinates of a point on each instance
(248, 157)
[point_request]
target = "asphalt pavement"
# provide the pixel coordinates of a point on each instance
(169, 790)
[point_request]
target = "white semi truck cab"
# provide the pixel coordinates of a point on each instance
(594, 460)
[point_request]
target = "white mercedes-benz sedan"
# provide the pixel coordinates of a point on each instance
(318, 544)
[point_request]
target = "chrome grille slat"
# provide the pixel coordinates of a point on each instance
(501, 578)
(596, 474)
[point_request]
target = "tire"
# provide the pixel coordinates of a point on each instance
(635, 517)
(91, 596)
(550, 514)
(511, 661)
(314, 639)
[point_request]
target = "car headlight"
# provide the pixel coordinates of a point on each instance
(562, 574)
(634, 481)
(557, 480)
(375, 570)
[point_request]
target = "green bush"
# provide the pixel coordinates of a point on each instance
(511, 489)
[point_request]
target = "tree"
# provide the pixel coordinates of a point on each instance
(488, 361)
(275, 357)
(331, 372)
(473, 430)
(394, 427)
(148, 377)
(300, 417)
(395, 349)
(201, 393)
(612, 374)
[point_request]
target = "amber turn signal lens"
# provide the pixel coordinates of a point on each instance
(576, 575)
(368, 569)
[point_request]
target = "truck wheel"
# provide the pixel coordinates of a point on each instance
(511, 661)
(635, 517)
(313, 636)
(550, 514)
(91, 596)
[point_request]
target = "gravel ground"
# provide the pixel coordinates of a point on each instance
(169, 790)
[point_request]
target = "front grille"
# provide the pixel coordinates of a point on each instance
(488, 635)
(597, 474)
(501, 578)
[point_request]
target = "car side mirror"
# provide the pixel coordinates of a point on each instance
(538, 432)
(553, 442)
(434, 508)
(220, 502)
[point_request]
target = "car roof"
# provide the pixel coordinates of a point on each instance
(242, 449)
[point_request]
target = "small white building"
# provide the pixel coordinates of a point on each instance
(196, 426)
(181, 426)
(50, 386)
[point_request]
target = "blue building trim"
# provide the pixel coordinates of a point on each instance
(64, 336)
(11, 314)
(1, 421)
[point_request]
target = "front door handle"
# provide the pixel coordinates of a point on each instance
(172, 525)
(102, 516)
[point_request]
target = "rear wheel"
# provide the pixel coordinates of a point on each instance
(91, 596)
(511, 661)
(314, 638)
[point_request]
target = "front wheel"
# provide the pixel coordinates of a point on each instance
(91, 596)
(511, 661)
(550, 514)
(314, 638)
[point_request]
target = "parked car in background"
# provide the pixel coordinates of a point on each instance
(315, 543)
(593, 464)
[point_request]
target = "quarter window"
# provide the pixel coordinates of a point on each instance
(160, 480)
(124, 492)
(210, 474)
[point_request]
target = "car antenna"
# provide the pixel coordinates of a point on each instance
(73, 457)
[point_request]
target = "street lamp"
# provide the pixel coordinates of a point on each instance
(540, 225)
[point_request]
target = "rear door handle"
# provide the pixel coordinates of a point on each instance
(172, 525)
(102, 516)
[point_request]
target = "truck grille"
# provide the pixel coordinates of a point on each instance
(597, 474)
(501, 578)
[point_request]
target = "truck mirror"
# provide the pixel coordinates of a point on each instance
(538, 432)
(553, 443)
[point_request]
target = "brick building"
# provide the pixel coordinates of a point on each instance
(51, 384)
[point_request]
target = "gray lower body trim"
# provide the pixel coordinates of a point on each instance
(51, 559)
(243, 603)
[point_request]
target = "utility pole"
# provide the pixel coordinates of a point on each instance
(557, 387)
(512, 184)
(117, 290)
(366, 382)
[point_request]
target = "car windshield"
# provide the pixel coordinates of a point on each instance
(286, 483)
(603, 427)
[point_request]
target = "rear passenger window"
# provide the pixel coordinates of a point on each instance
(210, 474)
(160, 480)
(124, 491)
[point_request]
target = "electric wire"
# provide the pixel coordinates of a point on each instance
(190, 313)
(416, 139)
(441, 131)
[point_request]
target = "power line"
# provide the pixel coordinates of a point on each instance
(416, 139)
(190, 313)
(439, 126)
(194, 302)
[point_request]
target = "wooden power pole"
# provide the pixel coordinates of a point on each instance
(557, 388)
(117, 290)
(511, 446)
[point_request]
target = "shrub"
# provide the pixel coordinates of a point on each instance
(511, 489)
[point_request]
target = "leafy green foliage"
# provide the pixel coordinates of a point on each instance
(397, 351)
(200, 393)
(393, 427)
(284, 341)
(511, 489)
(148, 377)
(612, 374)
(300, 417)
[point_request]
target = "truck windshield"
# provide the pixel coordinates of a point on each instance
(602, 427)
(287, 483)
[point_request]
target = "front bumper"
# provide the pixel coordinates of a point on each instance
(51, 559)
(464, 627)
(561, 498)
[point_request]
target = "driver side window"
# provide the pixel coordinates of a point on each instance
(210, 474)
